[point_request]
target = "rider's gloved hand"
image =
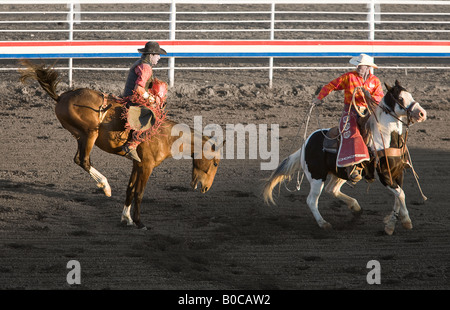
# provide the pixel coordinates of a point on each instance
(317, 102)
(367, 94)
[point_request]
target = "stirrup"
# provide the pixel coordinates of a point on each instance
(354, 175)
(131, 153)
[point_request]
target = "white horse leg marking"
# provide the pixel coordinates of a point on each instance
(126, 216)
(102, 181)
(316, 187)
(399, 211)
(404, 214)
(313, 201)
(391, 219)
(400, 207)
(334, 188)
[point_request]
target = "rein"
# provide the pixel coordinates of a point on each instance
(371, 107)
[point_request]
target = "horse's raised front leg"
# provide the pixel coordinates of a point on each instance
(334, 188)
(399, 211)
(102, 181)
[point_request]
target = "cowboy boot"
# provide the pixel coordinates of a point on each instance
(130, 151)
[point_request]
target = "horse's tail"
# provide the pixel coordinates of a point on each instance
(47, 77)
(284, 171)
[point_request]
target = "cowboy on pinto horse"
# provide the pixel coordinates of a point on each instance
(142, 92)
(357, 85)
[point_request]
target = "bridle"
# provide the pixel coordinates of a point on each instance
(407, 109)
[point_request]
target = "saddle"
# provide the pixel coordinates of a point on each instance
(333, 137)
(332, 142)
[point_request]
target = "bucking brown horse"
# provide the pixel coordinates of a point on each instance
(94, 118)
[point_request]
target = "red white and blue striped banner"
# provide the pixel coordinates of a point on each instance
(245, 48)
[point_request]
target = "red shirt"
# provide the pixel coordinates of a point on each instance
(139, 77)
(144, 73)
(348, 82)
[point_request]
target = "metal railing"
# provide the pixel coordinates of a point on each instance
(181, 20)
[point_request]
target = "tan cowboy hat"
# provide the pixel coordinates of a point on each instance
(152, 47)
(363, 60)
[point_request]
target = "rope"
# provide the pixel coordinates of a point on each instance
(308, 117)
(416, 176)
(353, 103)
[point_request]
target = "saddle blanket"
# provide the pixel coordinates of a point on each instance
(352, 149)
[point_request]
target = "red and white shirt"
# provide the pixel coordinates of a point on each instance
(348, 82)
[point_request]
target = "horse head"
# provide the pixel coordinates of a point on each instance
(402, 103)
(205, 169)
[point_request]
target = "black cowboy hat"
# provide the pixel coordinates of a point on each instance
(152, 47)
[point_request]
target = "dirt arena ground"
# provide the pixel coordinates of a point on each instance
(51, 211)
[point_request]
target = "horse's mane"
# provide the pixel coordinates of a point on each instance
(388, 101)
(376, 112)
(386, 104)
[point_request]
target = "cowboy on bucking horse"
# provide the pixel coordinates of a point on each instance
(143, 90)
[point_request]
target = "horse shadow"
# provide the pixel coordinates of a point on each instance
(49, 190)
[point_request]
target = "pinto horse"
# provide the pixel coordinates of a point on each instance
(94, 119)
(389, 154)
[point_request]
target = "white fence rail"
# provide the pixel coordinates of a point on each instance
(222, 29)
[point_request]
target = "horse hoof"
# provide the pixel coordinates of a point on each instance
(126, 223)
(355, 208)
(105, 187)
(389, 230)
(107, 191)
(357, 213)
(407, 225)
(326, 226)
(141, 226)
(126, 219)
